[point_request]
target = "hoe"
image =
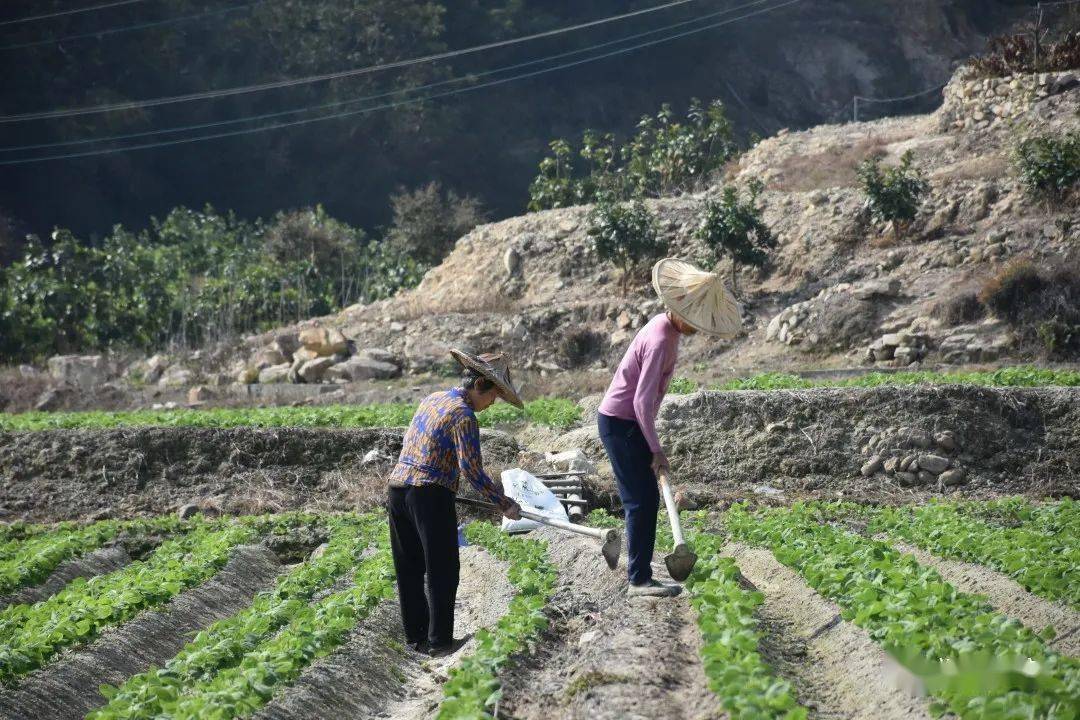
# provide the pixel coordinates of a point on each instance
(679, 561)
(611, 541)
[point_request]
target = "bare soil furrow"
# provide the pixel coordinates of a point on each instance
(99, 562)
(1007, 597)
(837, 670)
(606, 656)
(68, 688)
(373, 675)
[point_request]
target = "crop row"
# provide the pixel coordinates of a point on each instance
(313, 631)
(730, 656)
(226, 642)
(473, 686)
(30, 561)
(979, 664)
(1046, 563)
(31, 634)
(555, 412)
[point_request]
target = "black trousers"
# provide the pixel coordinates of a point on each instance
(424, 542)
(631, 460)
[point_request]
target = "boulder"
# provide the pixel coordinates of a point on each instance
(337, 374)
(512, 262)
(956, 476)
(155, 368)
(270, 356)
(933, 463)
(871, 466)
(198, 395)
(945, 440)
(312, 371)
(274, 374)
(907, 478)
(81, 371)
(422, 353)
(286, 343)
(247, 376)
(176, 376)
(378, 354)
(363, 368)
(877, 288)
(324, 342)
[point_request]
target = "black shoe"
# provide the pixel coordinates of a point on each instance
(419, 646)
(444, 649)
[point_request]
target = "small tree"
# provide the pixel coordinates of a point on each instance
(625, 234)
(1049, 166)
(895, 193)
(555, 186)
(428, 221)
(734, 228)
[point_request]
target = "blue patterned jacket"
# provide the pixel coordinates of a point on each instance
(443, 443)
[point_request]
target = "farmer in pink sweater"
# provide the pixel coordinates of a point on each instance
(695, 301)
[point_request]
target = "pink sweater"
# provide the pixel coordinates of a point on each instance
(642, 379)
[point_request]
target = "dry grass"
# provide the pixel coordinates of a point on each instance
(836, 167)
(991, 167)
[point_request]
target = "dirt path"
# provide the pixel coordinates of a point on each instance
(606, 656)
(1007, 597)
(99, 562)
(68, 687)
(838, 671)
(373, 675)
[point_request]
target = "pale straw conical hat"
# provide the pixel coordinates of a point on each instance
(698, 298)
(496, 368)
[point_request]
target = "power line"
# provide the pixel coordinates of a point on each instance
(246, 89)
(354, 101)
(855, 100)
(61, 13)
(130, 28)
(492, 83)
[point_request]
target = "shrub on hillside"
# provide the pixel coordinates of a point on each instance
(893, 194)
(733, 227)
(1042, 306)
(1028, 52)
(664, 157)
(1049, 165)
(626, 235)
(428, 221)
(959, 309)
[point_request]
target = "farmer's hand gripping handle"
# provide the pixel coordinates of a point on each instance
(672, 509)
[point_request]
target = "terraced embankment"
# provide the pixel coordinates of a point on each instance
(783, 444)
(791, 613)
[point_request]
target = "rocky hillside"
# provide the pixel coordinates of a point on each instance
(842, 292)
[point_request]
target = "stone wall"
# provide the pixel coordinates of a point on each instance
(978, 103)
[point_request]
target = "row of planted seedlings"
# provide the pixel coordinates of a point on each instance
(974, 662)
(190, 552)
(235, 666)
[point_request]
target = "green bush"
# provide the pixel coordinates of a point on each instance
(733, 228)
(190, 278)
(665, 156)
(1041, 305)
(895, 193)
(1049, 165)
(625, 234)
(428, 221)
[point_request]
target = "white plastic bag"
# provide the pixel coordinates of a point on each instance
(532, 495)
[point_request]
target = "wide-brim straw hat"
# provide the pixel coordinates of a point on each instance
(698, 298)
(496, 368)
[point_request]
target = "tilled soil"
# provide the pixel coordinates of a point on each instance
(68, 687)
(374, 675)
(1007, 597)
(66, 474)
(607, 656)
(837, 670)
(99, 562)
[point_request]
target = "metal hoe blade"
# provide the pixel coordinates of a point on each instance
(680, 562)
(612, 548)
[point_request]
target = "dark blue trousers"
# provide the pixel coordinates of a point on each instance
(631, 460)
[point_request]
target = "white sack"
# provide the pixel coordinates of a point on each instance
(532, 495)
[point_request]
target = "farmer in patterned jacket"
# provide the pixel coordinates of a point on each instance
(442, 443)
